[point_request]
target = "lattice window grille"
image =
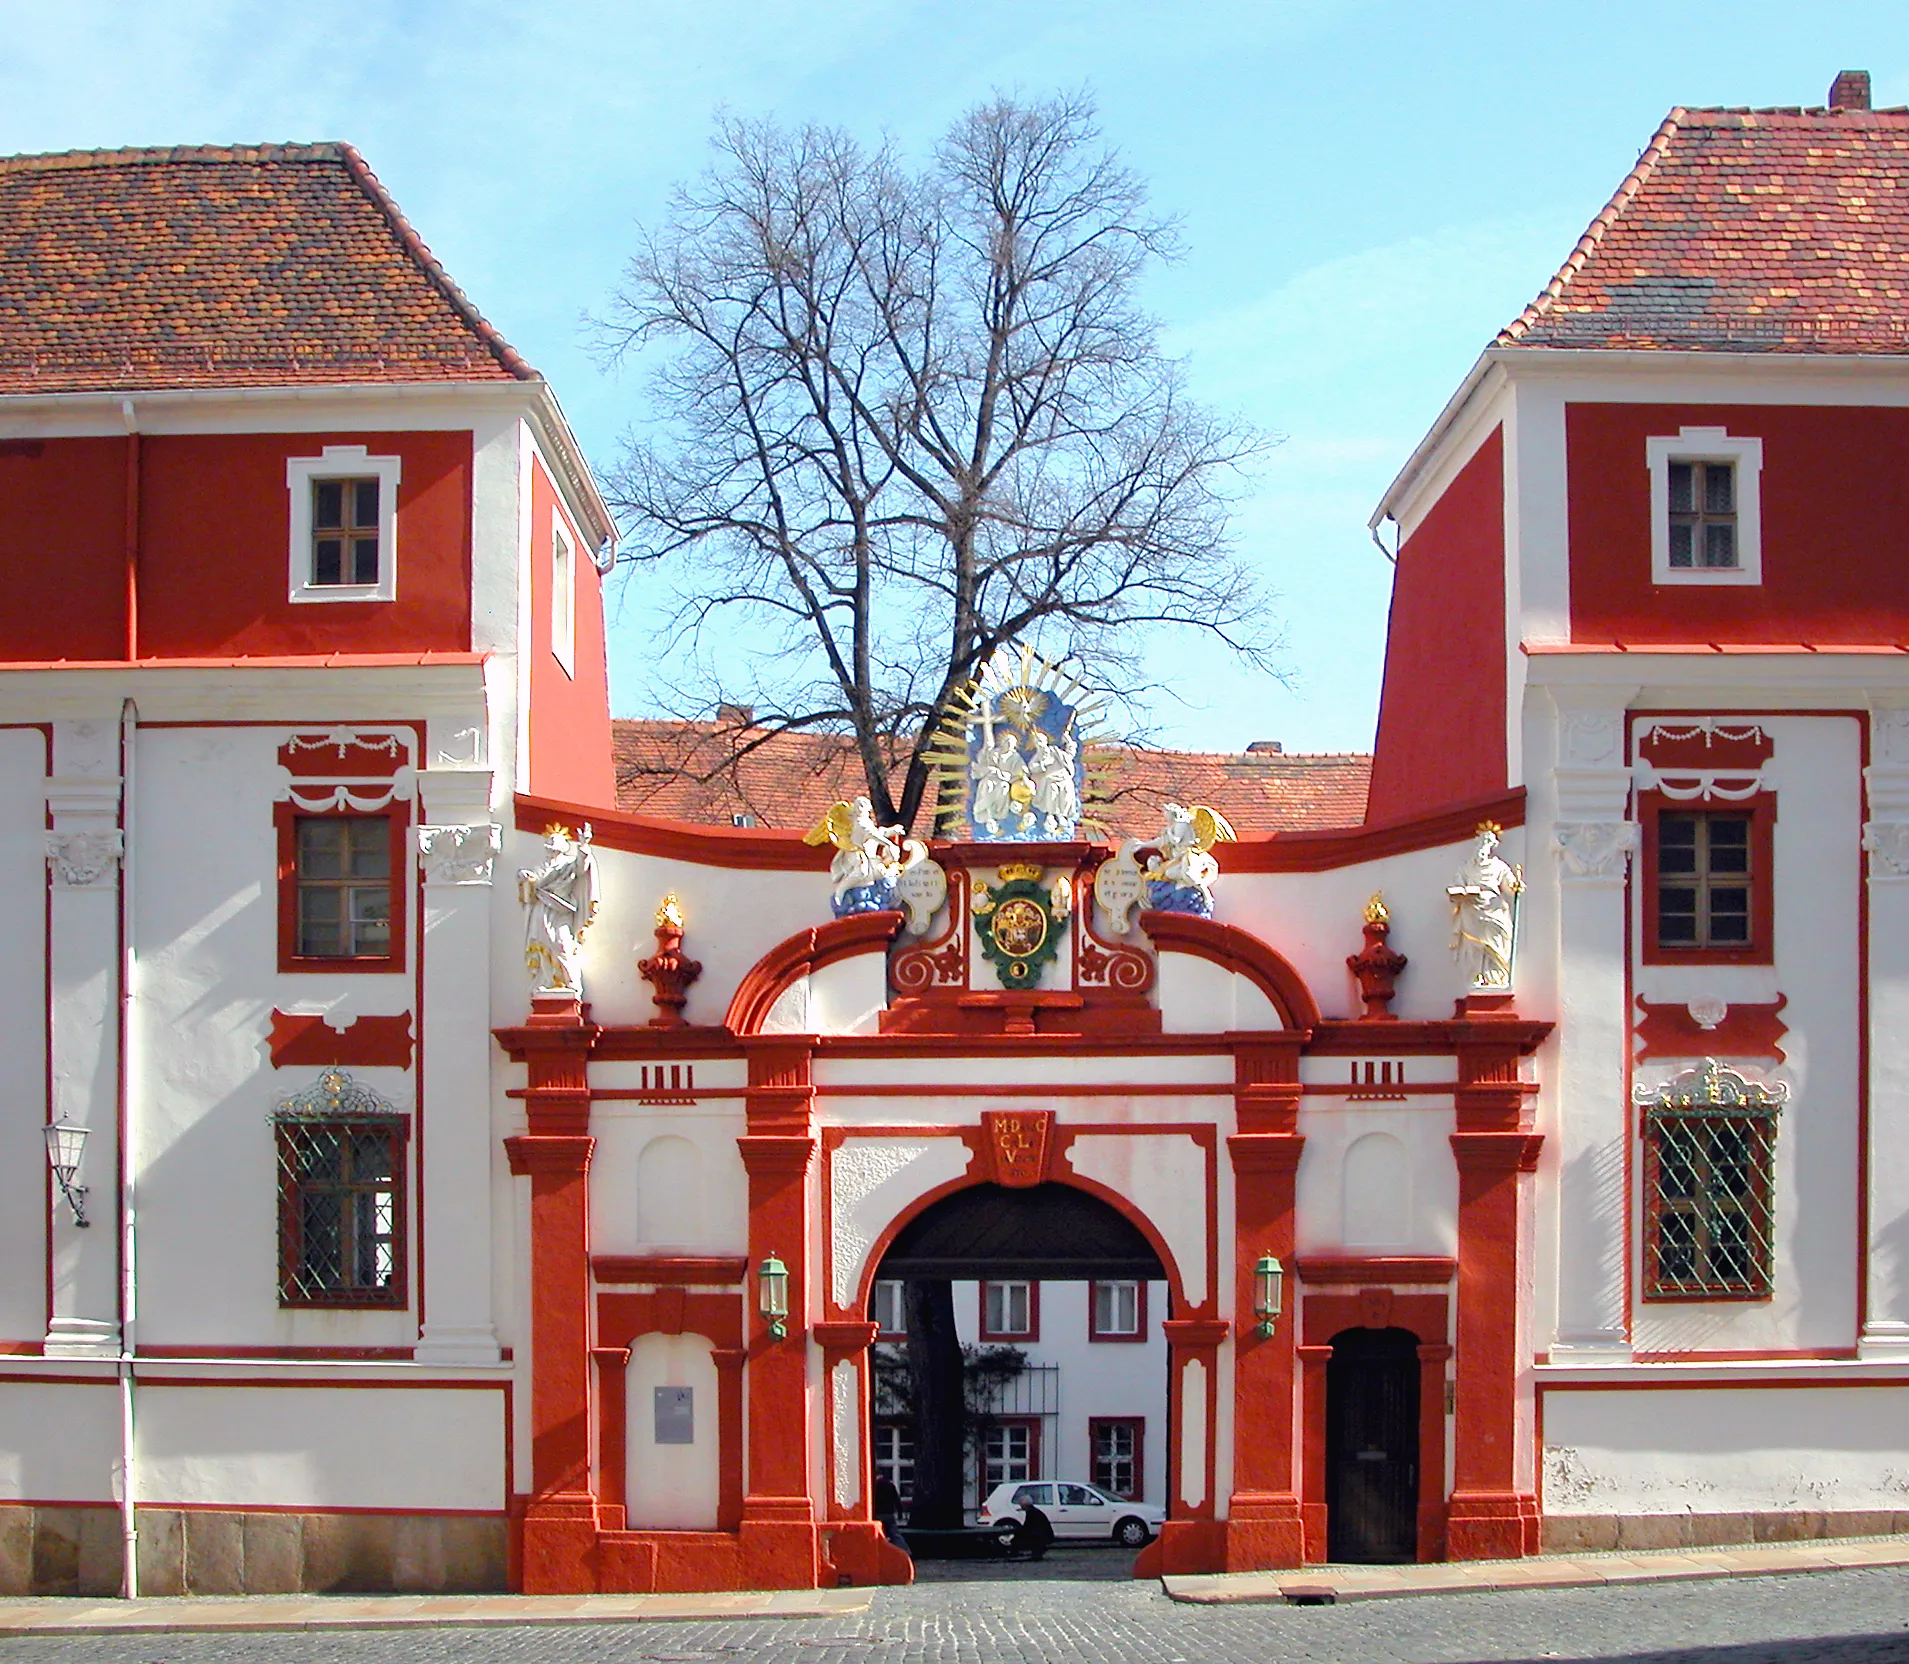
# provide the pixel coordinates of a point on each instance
(1709, 1185)
(341, 1195)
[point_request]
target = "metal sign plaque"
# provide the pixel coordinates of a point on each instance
(675, 1415)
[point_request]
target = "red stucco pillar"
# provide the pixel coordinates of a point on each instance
(1493, 1512)
(779, 1543)
(1263, 1528)
(560, 1514)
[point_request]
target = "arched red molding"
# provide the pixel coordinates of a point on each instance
(1228, 946)
(802, 954)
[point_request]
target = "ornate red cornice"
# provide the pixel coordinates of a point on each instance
(1229, 946)
(805, 952)
(670, 1270)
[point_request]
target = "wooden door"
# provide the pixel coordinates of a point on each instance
(1372, 1446)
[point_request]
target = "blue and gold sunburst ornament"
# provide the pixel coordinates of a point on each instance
(1021, 752)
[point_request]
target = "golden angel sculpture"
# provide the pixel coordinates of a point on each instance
(877, 868)
(1177, 874)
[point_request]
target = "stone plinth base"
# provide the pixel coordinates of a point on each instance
(1586, 1533)
(193, 1551)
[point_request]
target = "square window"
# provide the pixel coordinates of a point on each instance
(1010, 1311)
(341, 896)
(1706, 516)
(343, 525)
(341, 1211)
(1709, 1196)
(1117, 1310)
(1116, 1443)
(1706, 881)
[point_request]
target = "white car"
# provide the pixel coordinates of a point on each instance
(1073, 1510)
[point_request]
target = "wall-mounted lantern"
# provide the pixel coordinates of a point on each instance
(1269, 1287)
(65, 1143)
(772, 1296)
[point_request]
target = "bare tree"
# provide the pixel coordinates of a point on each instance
(910, 417)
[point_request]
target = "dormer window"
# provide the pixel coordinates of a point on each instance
(344, 525)
(1706, 517)
(1703, 515)
(345, 530)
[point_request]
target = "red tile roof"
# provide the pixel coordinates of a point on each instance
(679, 771)
(223, 266)
(1745, 231)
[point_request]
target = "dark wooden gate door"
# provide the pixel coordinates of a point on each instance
(1372, 1413)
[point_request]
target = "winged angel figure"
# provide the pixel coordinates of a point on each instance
(876, 865)
(1179, 871)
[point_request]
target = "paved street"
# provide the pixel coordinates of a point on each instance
(1856, 1617)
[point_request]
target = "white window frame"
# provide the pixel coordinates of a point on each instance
(1707, 445)
(343, 462)
(1108, 1288)
(886, 1302)
(563, 596)
(1007, 1289)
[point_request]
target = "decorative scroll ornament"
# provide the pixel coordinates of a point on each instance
(870, 872)
(1015, 750)
(1595, 848)
(1020, 922)
(347, 768)
(1484, 900)
(1711, 1085)
(666, 970)
(458, 854)
(1888, 844)
(84, 860)
(560, 898)
(335, 1096)
(1377, 965)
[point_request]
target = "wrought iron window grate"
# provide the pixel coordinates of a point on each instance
(1709, 1185)
(341, 1196)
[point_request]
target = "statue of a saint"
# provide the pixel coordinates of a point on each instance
(1050, 767)
(1485, 912)
(561, 899)
(997, 766)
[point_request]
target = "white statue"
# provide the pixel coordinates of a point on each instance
(1485, 912)
(869, 859)
(561, 898)
(1050, 767)
(1181, 872)
(998, 765)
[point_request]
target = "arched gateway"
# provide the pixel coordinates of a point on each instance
(873, 1092)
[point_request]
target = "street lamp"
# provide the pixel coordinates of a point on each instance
(64, 1145)
(1269, 1284)
(772, 1296)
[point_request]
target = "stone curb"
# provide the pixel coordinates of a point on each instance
(182, 1614)
(1331, 1585)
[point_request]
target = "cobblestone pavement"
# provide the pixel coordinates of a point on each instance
(1855, 1617)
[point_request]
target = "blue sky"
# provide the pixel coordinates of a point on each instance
(1368, 192)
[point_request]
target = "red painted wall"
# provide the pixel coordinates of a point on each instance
(1442, 708)
(214, 522)
(62, 549)
(213, 530)
(569, 715)
(1835, 497)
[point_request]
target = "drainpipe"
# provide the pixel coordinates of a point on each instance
(128, 1153)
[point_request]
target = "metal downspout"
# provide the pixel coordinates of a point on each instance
(128, 1157)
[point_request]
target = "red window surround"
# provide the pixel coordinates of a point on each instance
(1033, 1330)
(285, 817)
(1137, 1427)
(1139, 1330)
(1761, 809)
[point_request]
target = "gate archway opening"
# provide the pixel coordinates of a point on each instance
(1081, 1425)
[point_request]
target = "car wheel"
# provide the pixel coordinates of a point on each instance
(1005, 1531)
(1132, 1533)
